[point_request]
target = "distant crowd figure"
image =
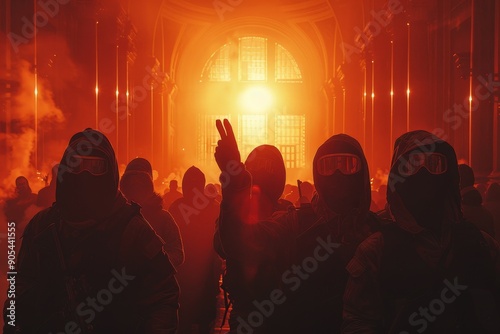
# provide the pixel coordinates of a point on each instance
(198, 277)
(136, 185)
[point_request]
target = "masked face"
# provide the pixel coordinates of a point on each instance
(90, 199)
(423, 194)
(340, 181)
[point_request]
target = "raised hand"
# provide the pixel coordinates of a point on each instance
(226, 152)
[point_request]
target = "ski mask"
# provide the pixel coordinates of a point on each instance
(424, 180)
(87, 180)
(341, 175)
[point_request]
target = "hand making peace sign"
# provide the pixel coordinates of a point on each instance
(226, 151)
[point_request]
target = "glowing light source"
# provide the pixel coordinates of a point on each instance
(36, 91)
(96, 90)
(117, 92)
(408, 91)
(256, 99)
(392, 93)
(470, 98)
(373, 95)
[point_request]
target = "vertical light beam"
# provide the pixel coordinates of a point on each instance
(35, 93)
(373, 112)
(96, 77)
(408, 81)
(117, 93)
(392, 98)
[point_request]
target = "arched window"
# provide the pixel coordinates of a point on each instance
(249, 61)
(218, 67)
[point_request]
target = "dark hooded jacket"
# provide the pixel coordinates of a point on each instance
(91, 262)
(337, 221)
(313, 236)
(426, 260)
(247, 236)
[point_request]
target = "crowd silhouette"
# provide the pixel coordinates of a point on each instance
(104, 254)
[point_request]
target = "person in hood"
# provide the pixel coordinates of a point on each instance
(91, 263)
(172, 194)
(15, 207)
(267, 169)
(136, 185)
(265, 164)
(21, 207)
(198, 277)
(430, 270)
(294, 260)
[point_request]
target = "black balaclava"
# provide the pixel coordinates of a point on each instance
(81, 195)
(429, 198)
(341, 193)
(265, 164)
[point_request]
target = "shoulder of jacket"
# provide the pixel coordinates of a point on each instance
(141, 237)
(367, 256)
(41, 222)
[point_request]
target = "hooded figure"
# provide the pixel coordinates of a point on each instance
(339, 216)
(171, 195)
(137, 186)
(88, 242)
(342, 181)
(15, 207)
(198, 277)
(89, 165)
(266, 169)
(429, 269)
(265, 164)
